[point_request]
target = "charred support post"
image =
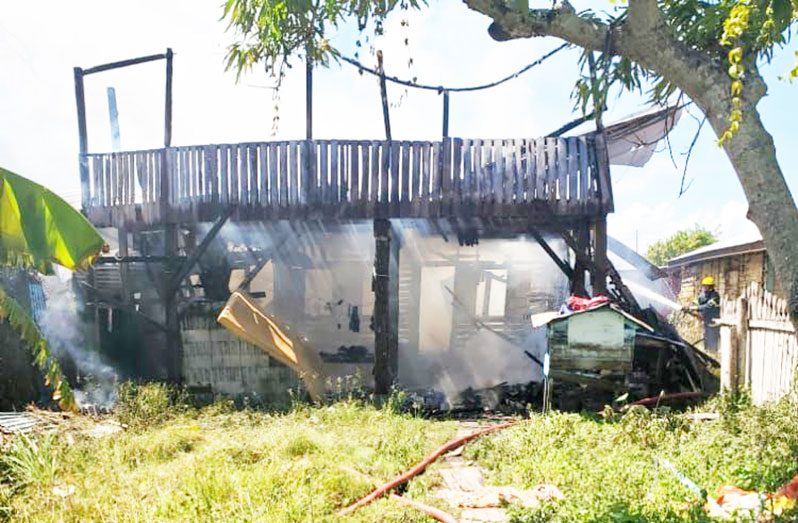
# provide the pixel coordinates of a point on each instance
(386, 311)
(167, 133)
(80, 100)
(582, 236)
(384, 95)
(445, 114)
(598, 278)
(174, 344)
(308, 98)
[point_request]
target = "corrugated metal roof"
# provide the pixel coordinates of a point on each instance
(17, 421)
(742, 244)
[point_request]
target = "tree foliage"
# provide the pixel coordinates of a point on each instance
(660, 252)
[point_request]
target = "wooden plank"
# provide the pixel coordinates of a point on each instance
(198, 168)
(334, 173)
(424, 179)
(263, 175)
(509, 174)
(531, 169)
(354, 161)
(415, 179)
(446, 179)
(573, 172)
(110, 173)
(98, 179)
(235, 166)
(552, 173)
(243, 174)
(562, 176)
(404, 179)
(366, 177)
(771, 325)
(274, 195)
(293, 174)
(518, 174)
(584, 186)
(283, 177)
(457, 176)
(468, 178)
(436, 165)
(497, 180)
(343, 181)
(211, 179)
(324, 174)
(385, 161)
(541, 170)
(252, 167)
(394, 177)
(224, 173)
(374, 178)
(131, 177)
(479, 174)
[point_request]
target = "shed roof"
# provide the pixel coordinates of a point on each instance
(544, 318)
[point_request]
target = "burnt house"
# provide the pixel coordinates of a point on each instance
(416, 262)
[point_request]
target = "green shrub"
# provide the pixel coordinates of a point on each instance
(148, 404)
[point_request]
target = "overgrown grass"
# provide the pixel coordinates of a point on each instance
(176, 463)
(215, 464)
(607, 468)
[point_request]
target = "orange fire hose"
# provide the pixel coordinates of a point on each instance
(420, 467)
(434, 513)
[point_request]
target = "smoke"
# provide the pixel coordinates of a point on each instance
(70, 338)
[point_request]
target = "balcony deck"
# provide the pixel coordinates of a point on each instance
(345, 179)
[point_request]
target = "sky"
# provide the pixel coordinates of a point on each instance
(448, 45)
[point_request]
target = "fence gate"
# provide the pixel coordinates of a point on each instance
(757, 344)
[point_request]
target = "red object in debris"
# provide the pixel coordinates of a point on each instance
(790, 490)
(578, 303)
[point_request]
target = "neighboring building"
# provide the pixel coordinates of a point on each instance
(734, 264)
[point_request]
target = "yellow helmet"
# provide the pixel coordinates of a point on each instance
(708, 280)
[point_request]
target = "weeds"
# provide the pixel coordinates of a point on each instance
(148, 404)
(30, 461)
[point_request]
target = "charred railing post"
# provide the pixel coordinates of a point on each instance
(386, 335)
(167, 133)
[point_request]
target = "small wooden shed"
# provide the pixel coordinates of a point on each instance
(598, 339)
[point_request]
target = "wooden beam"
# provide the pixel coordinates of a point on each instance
(185, 268)
(445, 114)
(308, 98)
(174, 343)
(600, 269)
(384, 351)
(124, 63)
(562, 264)
(384, 95)
(167, 134)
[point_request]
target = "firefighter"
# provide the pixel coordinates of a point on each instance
(708, 306)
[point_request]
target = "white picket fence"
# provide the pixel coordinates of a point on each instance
(758, 345)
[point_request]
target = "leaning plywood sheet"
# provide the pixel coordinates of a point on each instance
(242, 316)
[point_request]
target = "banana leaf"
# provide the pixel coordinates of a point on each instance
(38, 229)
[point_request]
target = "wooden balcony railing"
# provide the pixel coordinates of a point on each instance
(347, 179)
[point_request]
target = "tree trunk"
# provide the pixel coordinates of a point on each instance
(644, 38)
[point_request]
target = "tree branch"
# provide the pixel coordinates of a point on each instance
(561, 21)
